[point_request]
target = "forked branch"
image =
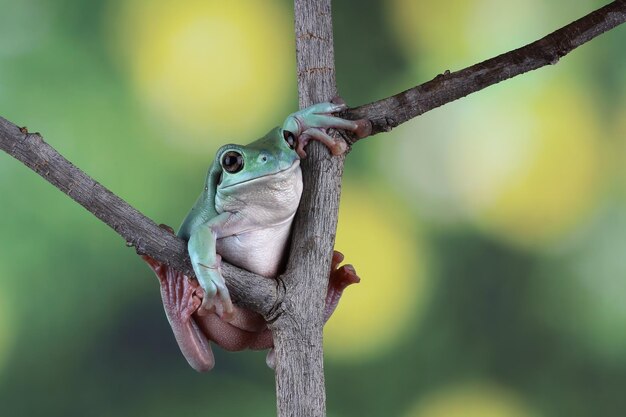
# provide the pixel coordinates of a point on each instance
(260, 294)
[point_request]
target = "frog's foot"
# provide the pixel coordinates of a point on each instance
(216, 296)
(180, 295)
(340, 278)
(181, 298)
(168, 228)
(313, 122)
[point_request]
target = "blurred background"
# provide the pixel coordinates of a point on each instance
(490, 234)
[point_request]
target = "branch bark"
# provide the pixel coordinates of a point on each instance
(392, 111)
(297, 332)
(252, 291)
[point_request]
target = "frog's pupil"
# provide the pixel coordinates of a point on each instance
(289, 138)
(232, 162)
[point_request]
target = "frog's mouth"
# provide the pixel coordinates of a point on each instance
(285, 173)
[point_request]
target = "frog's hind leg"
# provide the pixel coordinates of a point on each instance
(339, 279)
(180, 302)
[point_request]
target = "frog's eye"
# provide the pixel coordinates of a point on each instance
(289, 138)
(232, 162)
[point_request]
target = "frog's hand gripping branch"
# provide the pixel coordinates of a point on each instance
(313, 122)
(207, 265)
(202, 227)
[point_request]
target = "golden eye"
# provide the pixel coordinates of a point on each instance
(232, 162)
(289, 138)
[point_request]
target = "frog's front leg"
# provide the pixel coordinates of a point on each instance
(207, 266)
(180, 301)
(312, 122)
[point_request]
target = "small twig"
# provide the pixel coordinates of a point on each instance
(390, 112)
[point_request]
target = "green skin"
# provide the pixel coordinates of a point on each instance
(247, 212)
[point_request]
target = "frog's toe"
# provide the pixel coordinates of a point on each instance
(303, 140)
(364, 128)
(344, 276)
(215, 305)
(155, 265)
(210, 293)
(336, 146)
(339, 100)
(326, 121)
(360, 128)
(219, 302)
(226, 308)
(328, 107)
(189, 307)
(168, 228)
(336, 260)
(341, 276)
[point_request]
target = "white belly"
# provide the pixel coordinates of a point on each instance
(259, 251)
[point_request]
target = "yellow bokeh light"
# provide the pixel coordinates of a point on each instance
(556, 188)
(209, 71)
(437, 35)
(379, 238)
(526, 164)
(471, 401)
(419, 26)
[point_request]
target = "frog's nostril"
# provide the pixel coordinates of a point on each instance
(264, 158)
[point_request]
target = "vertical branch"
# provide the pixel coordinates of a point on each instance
(298, 329)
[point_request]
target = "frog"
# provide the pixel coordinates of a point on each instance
(244, 216)
(243, 329)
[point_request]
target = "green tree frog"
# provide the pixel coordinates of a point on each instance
(244, 215)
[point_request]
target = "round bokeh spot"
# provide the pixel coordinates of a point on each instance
(558, 186)
(208, 71)
(377, 235)
(526, 165)
(471, 401)
(453, 34)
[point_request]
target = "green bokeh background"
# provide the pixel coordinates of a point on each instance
(517, 316)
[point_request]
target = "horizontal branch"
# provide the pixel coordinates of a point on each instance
(390, 112)
(252, 291)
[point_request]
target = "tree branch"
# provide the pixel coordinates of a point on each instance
(252, 291)
(390, 112)
(297, 332)
(298, 309)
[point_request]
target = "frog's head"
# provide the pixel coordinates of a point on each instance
(267, 156)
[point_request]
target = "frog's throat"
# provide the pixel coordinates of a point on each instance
(292, 167)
